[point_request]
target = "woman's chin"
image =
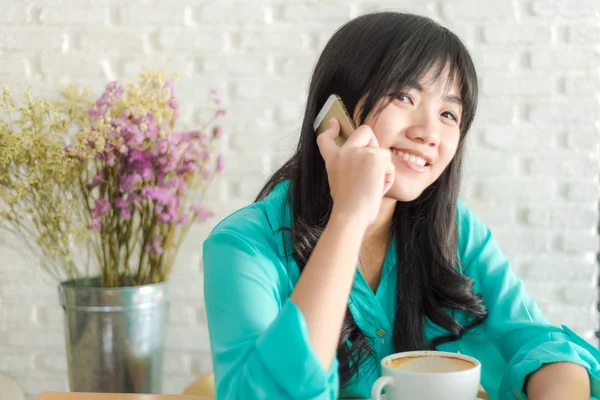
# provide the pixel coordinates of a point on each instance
(404, 193)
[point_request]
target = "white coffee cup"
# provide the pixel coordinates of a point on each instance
(428, 375)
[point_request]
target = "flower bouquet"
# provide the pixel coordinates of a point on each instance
(103, 193)
(105, 185)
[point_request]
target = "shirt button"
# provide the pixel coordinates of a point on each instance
(381, 333)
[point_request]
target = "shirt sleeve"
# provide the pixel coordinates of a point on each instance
(521, 332)
(259, 341)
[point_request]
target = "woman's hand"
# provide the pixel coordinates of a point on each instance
(359, 172)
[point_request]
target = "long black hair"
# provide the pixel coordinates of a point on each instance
(368, 57)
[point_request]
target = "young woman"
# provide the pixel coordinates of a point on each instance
(356, 252)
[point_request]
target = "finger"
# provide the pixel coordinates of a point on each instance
(326, 140)
(384, 153)
(373, 142)
(362, 137)
(390, 176)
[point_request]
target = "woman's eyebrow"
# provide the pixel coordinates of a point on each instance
(452, 98)
(416, 86)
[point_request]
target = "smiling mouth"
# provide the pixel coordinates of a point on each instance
(411, 159)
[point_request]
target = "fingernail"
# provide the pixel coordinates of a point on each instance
(332, 120)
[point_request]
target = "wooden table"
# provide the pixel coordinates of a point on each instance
(118, 396)
(115, 396)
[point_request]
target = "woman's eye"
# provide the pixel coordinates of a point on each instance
(405, 98)
(450, 115)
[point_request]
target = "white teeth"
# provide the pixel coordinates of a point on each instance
(410, 158)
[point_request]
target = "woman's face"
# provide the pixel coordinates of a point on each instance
(421, 127)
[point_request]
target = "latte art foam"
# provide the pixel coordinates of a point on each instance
(430, 364)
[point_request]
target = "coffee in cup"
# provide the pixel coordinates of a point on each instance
(431, 363)
(428, 375)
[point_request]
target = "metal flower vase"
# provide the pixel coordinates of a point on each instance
(114, 336)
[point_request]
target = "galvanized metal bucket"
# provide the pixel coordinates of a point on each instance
(114, 336)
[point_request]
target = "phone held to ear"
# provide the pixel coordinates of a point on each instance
(334, 108)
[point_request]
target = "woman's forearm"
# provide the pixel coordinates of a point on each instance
(559, 381)
(324, 286)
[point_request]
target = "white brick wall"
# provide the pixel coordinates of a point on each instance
(532, 170)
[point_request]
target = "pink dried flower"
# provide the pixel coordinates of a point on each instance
(101, 206)
(152, 131)
(159, 194)
(129, 182)
(134, 198)
(147, 173)
(202, 213)
(97, 180)
(110, 159)
(174, 104)
(94, 226)
(217, 132)
(132, 135)
(177, 184)
(184, 219)
(126, 213)
(111, 85)
(161, 146)
(119, 93)
(120, 203)
(169, 84)
(220, 163)
(154, 246)
(136, 156)
(165, 217)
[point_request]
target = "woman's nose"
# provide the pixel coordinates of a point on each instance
(423, 131)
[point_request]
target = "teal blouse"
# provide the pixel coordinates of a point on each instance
(259, 338)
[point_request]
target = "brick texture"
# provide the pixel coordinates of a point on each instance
(532, 160)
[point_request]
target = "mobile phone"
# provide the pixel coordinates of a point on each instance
(334, 108)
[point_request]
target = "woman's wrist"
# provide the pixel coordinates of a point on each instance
(348, 220)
